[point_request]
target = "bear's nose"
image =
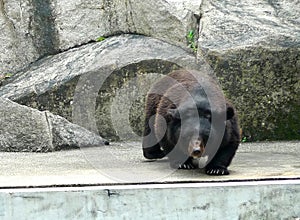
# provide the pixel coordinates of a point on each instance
(196, 152)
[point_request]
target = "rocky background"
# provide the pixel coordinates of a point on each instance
(92, 62)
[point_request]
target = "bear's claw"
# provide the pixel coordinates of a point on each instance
(186, 166)
(217, 171)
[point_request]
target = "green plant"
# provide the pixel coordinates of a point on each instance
(5, 76)
(244, 139)
(8, 75)
(191, 40)
(99, 39)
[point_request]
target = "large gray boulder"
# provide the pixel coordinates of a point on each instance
(32, 29)
(252, 23)
(27, 33)
(168, 20)
(254, 48)
(100, 86)
(29, 130)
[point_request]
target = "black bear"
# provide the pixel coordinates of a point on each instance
(187, 117)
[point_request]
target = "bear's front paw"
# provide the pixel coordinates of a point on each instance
(157, 154)
(187, 165)
(217, 171)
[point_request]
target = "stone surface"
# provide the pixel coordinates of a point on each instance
(235, 24)
(27, 33)
(29, 130)
(111, 76)
(23, 129)
(254, 48)
(66, 135)
(32, 29)
(168, 20)
(277, 199)
(264, 86)
(124, 163)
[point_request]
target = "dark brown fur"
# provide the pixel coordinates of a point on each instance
(178, 92)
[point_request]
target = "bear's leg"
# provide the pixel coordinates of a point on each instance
(151, 149)
(218, 165)
(153, 152)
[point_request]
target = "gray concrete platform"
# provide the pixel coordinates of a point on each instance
(116, 182)
(123, 163)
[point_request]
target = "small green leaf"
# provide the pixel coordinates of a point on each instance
(99, 39)
(7, 75)
(191, 35)
(191, 40)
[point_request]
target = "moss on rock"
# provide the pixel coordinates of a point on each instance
(121, 99)
(263, 84)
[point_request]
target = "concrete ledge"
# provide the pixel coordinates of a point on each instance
(231, 200)
(116, 182)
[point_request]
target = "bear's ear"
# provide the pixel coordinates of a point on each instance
(173, 113)
(230, 112)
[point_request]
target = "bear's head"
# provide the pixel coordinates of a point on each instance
(190, 123)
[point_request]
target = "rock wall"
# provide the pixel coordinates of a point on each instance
(48, 47)
(32, 29)
(99, 72)
(254, 48)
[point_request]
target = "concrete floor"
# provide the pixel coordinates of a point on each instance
(124, 163)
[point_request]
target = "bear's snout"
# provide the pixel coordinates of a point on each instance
(196, 148)
(196, 152)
